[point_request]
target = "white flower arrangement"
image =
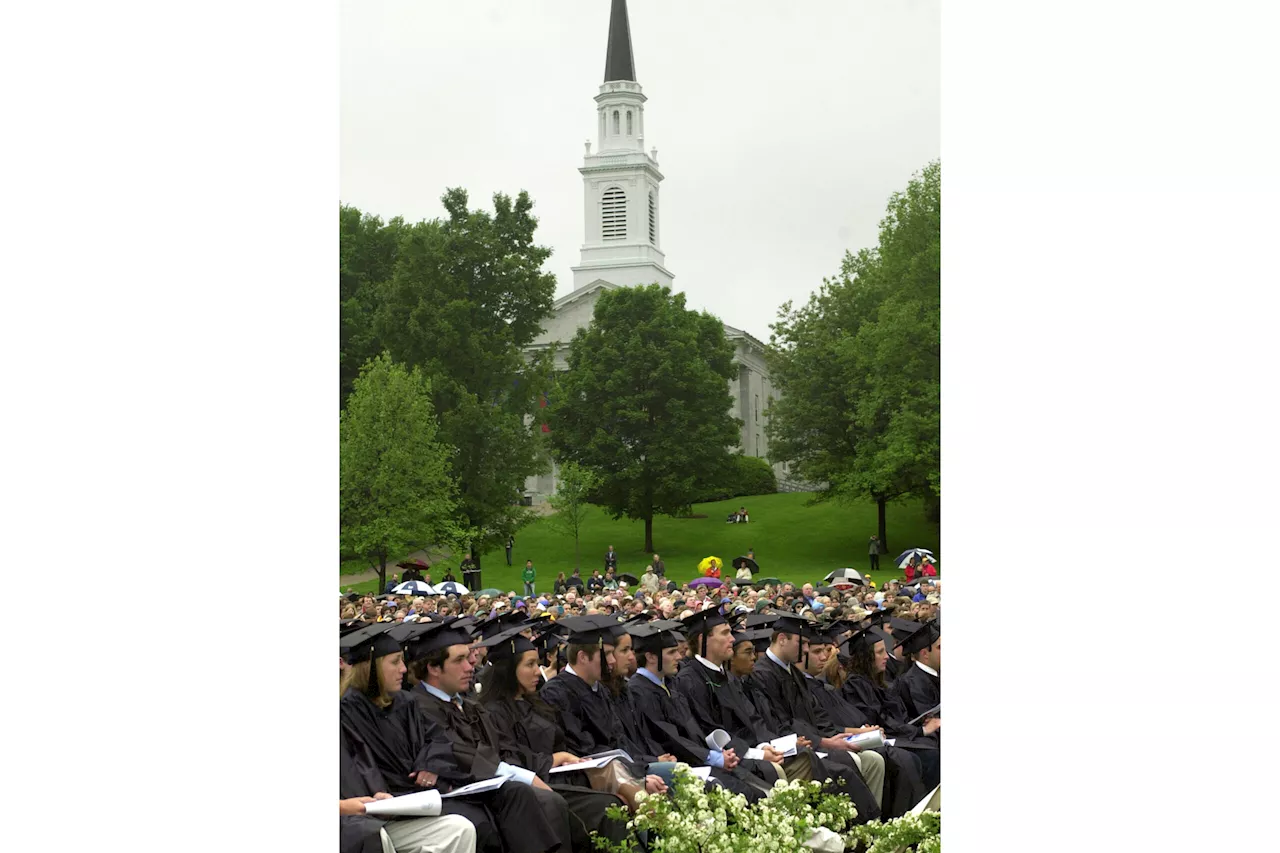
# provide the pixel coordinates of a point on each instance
(795, 817)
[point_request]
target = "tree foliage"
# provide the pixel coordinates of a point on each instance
(859, 364)
(395, 490)
(574, 485)
(366, 257)
(645, 403)
(461, 298)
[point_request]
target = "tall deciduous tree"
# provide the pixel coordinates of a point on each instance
(645, 403)
(367, 257)
(467, 295)
(395, 490)
(574, 485)
(859, 365)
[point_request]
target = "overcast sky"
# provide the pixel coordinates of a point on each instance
(781, 127)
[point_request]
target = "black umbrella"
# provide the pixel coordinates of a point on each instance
(631, 579)
(739, 562)
(744, 582)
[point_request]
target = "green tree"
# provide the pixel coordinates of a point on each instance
(574, 484)
(394, 484)
(645, 403)
(466, 296)
(859, 365)
(366, 258)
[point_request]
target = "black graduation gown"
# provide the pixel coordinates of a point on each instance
(632, 736)
(357, 833)
(883, 708)
(903, 771)
(401, 741)
(786, 706)
(717, 702)
(517, 723)
(668, 719)
(918, 690)
(590, 719)
(479, 750)
(892, 668)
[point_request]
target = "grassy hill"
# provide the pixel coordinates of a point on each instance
(792, 541)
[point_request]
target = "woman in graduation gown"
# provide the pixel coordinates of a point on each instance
(527, 725)
(866, 689)
(412, 753)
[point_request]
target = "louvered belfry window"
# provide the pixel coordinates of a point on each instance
(653, 220)
(615, 214)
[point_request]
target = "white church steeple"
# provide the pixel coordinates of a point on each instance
(622, 205)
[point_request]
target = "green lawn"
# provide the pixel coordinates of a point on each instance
(792, 541)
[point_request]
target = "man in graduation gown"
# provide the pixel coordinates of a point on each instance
(440, 659)
(719, 703)
(903, 785)
(589, 714)
(919, 687)
(670, 721)
(360, 782)
(784, 702)
(412, 752)
(895, 629)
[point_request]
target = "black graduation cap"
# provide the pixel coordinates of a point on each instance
(500, 623)
(366, 646)
(758, 620)
(346, 626)
(757, 637)
(926, 635)
(589, 630)
(864, 636)
(789, 624)
(832, 630)
(371, 641)
(433, 636)
(703, 620)
(655, 636)
(508, 644)
(903, 627)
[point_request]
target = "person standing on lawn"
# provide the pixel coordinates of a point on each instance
(528, 575)
(874, 550)
(611, 559)
(511, 543)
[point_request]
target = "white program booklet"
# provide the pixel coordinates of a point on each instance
(417, 804)
(584, 764)
(477, 787)
(785, 745)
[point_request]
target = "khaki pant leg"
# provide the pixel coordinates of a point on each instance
(444, 834)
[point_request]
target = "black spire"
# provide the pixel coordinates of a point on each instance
(618, 64)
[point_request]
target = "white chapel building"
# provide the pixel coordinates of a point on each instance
(622, 217)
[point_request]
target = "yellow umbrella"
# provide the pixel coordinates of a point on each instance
(706, 564)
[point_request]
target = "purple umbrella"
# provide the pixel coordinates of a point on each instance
(711, 582)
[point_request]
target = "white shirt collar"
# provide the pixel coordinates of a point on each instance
(569, 670)
(708, 664)
(776, 660)
(932, 672)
